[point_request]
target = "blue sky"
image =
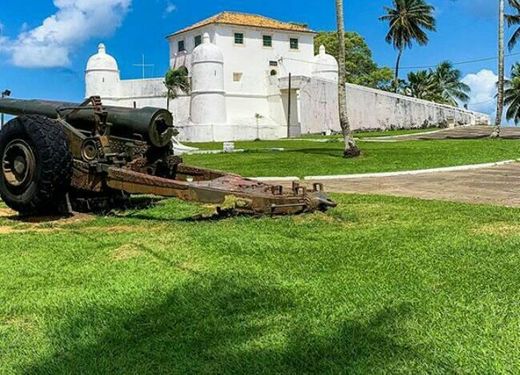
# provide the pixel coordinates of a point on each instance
(43, 52)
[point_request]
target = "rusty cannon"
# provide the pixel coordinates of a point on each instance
(85, 157)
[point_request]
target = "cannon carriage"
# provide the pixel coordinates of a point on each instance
(85, 157)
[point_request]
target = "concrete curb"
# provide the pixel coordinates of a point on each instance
(268, 179)
(410, 173)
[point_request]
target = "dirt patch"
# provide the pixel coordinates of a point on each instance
(39, 224)
(18, 322)
(190, 266)
(55, 220)
(11, 230)
(121, 229)
(502, 229)
(7, 213)
(315, 217)
(126, 252)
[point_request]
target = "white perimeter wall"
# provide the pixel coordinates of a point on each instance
(372, 109)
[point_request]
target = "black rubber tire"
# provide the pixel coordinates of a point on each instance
(50, 182)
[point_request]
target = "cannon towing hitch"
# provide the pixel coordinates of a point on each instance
(88, 154)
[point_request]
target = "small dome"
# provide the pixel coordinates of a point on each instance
(207, 51)
(102, 61)
(324, 62)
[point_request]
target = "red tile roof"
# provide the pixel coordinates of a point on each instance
(243, 19)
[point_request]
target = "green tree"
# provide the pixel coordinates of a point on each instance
(359, 63)
(176, 81)
(408, 21)
(512, 95)
(422, 85)
(441, 85)
(350, 149)
(449, 84)
(514, 20)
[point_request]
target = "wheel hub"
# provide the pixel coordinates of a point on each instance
(18, 163)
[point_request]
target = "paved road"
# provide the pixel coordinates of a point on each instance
(465, 132)
(496, 185)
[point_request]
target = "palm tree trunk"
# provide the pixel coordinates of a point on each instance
(501, 68)
(351, 150)
(397, 64)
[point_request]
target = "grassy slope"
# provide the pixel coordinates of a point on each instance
(378, 285)
(304, 158)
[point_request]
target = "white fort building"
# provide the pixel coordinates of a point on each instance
(239, 65)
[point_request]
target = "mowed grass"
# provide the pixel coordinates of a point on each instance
(378, 285)
(306, 158)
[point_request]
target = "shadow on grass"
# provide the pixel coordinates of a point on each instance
(332, 152)
(190, 218)
(224, 325)
(134, 203)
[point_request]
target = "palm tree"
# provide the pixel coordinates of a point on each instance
(501, 68)
(176, 81)
(441, 85)
(514, 20)
(422, 85)
(408, 22)
(449, 82)
(351, 149)
(512, 95)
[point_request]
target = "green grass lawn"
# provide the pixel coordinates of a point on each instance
(305, 158)
(378, 285)
(296, 143)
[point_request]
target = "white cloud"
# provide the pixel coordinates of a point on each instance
(170, 7)
(75, 21)
(3, 39)
(483, 90)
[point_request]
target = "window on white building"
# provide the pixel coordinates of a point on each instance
(181, 46)
(295, 43)
(239, 38)
(198, 40)
(268, 41)
(237, 77)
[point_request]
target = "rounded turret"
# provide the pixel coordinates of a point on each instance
(325, 66)
(208, 99)
(102, 75)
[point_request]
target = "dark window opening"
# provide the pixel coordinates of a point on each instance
(181, 46)
(273, 63)
(294, 43)
(268, 41)
(274, 72)
(239, 38)
(198, 40)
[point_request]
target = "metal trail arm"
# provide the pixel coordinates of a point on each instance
(231, 192)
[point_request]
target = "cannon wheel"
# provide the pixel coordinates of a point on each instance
(36, 165)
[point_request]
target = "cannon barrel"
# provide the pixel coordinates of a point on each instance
(154, 124)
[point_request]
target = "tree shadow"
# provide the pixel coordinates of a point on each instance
(213, 325)
(134, 203)
(332, 152)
